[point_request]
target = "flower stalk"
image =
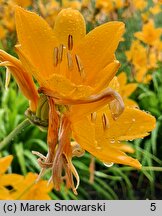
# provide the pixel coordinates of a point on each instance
(14, 133)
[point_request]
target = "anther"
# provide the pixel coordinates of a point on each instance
(79, 65)
(8, 77)
(70, 42)
(60, 54)
(70, 61)
(93, 116)
(105, 121)
(56, 52)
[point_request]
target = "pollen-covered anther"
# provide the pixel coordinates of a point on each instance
(56, 56)
(8, 78)
(79, 65)
(60, 52)
(93, 117)
(70, 42)
(70, 61)
(105, 122)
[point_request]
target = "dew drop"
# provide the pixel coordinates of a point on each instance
(109, 164)
(97, 145)
(112, 141)
(133, 119)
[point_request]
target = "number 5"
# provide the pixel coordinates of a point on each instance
(153, 207)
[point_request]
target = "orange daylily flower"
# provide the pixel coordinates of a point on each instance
(149, 34)
(22, 3)
(23, 187)
(2, 32)
(49, 10)
(119, 84)
(104, 5)
(74, 71)
(143, 59)
(140, 4)
(155, 9)
(72, 4)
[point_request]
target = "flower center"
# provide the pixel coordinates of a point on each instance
(65, 55)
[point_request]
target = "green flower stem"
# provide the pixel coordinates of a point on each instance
(14, 133)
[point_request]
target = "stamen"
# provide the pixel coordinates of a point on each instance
(70, 61)
(105, 121)
(60, 52)
(8, 77)
(56, 52)
(39, 155)
(70, 42)
(79, 65)
(92, 169)
(93, 116)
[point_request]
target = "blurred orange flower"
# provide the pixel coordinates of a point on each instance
(21, 187)
(149, 34)
(126, 89)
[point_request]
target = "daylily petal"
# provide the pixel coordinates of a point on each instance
(94, 137)
(69, 22)
(131, 124)
(128, 89)
(5, 163)
(37, 40)
(28, 189)
(101, 80)
(5, 194)
(139, 35)
(124, 147)
(114, 84)
(96, 42)
(23, 3)
(24, 79)
(122, 79)
(130, 103)
(84, 134)
(64, 87)
(26, 62)
(11, 180)
(95, 103)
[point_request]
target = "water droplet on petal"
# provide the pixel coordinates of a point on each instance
(97, 145)
(112, 141)
(133, 119)
(109, 164)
